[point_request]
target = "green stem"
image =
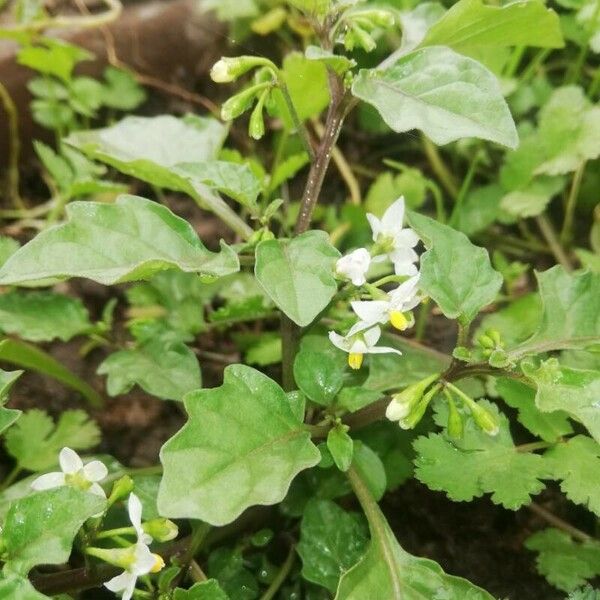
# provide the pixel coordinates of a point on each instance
(12, 117)
(422, 319)
(464, 188)
(208, 200)
(298, 125)
(281, 576)
(290, 335)
(378, 528)
(531, 70)
(566, 233)
(439, 167)
(114, 532)
(552, 239)
(11, 477)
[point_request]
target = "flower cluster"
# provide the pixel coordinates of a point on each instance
(136, 560)
(393, 242)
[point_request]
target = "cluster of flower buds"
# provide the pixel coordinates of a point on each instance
(489, 347)
(357, 25)
(392, 242)
(266, 77)
(408, 407)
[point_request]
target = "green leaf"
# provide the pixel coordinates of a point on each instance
(440, 92)
(42, 316)
(151, 148)
(17, 587)
(570, 312)
(471, 23)
(341, 446)
(548, 426)
(370, 467)
(298, 274)
(287, 169)
(35, 441)
(340, 64)
(387, 571)
(112, 243)
(235, 180)
(53, 57)
(204, 590)
(478, 210)
(8, 416)
(565, 563)
(319, 373)
(479, 464)
(32, 358)
(574, 391)
(165, 369)
(586, 593)
(576, 462)
(39, 529)
(121, 91)
(8, 247)
(533, 199)
(242, 445)
(306, 82)
(454, 272)
(568, 132)
(331, 541)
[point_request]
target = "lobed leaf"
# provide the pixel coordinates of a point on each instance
(242, 445)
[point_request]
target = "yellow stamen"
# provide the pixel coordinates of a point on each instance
(355, 360)
(398, 320)
(159, 563)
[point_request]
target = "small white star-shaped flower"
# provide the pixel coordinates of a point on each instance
(354, 266)
(359, 344)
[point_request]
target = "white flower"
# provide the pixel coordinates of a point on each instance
(74, 473)
(354, 266)
(393, 241)
(373, 312)
(142, 560)
(359, 344)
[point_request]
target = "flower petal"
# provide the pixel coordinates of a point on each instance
(376, 226)
(372, 337)
(134, 507)
(95, 471)
(393, 218)
(405, 268)
(125, 582)
(358, 327)
(396, 411)
(97, 489)
(339, 341)
(406, 238)
(372, 312)
(48, 481)
(383, 350)
(69, 461)
(144, 559)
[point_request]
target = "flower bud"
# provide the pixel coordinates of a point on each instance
(418, 411)
(121, 489)
(256, 127)
(358, 36)
(455, 422)
(486, 341)
(227, 69)
(403, 402)
(161, 529)
(484, 419)
(240, 103)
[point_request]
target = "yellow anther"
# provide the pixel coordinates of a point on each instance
(398, 320)
(159, 563)
(355, 360)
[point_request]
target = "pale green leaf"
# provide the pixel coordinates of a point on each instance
(35, 441)
(242, 445)
(548, 426)
(39, 529)
(338, 63)
(471, 23)
(235, 180)
(574, 391)
(478, 210)
(17, 587)
(533, 199)
(341, 447)
(565, 563)
(440, 92)
(331, 541)
(112, 243)
(454, 272)
(387, 571)
(42, 316)
(478, 464)
(204, 590)
(570, 312)
(8, 416)
(165, 369)
(577, 463)
(298, 274)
